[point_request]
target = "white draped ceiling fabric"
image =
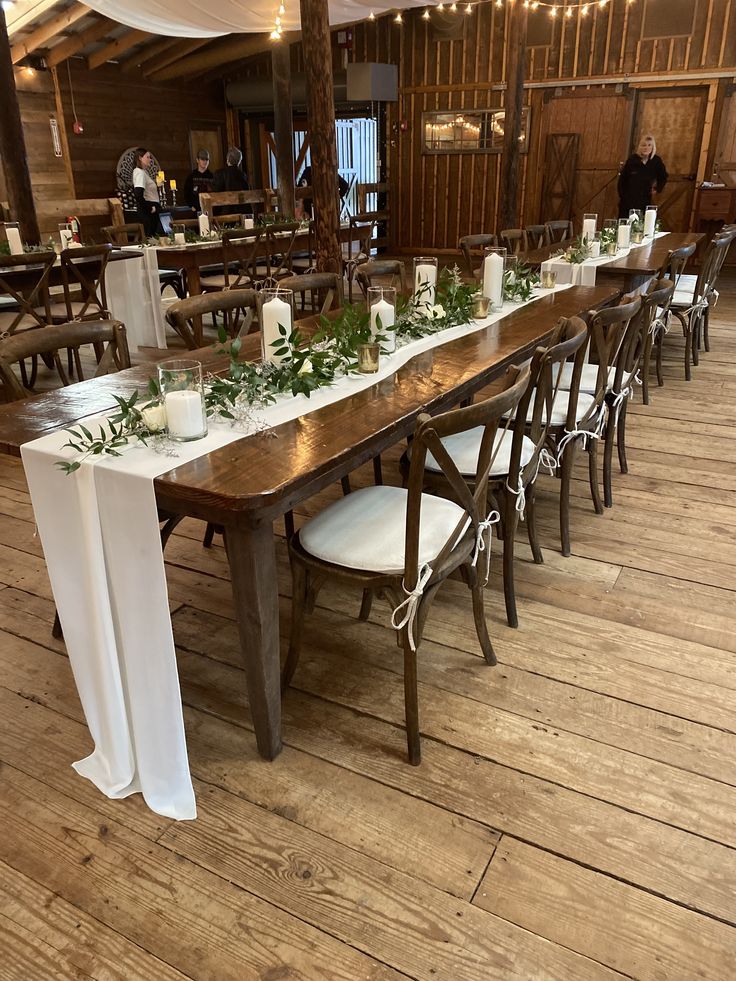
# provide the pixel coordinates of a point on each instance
(194, 18)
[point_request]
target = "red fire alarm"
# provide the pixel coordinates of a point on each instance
(404, 125)
(77, 127)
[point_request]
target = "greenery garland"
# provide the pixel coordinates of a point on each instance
(310, 363)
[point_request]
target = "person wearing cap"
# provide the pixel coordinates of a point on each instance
(200, 181)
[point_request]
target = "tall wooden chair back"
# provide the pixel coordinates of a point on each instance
(315, 293)
(558, 231)
(472, 247)
(237, 306)
(362, 228)
(536, 236)
(280, 241)
(83, 278)
(133, 233)
(107, 339)
(368, 272)
(614, 333)
(514, 239)
(24, 282)
(241, 248)
(674, 265)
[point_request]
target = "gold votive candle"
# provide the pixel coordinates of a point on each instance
(611, 248)
(549, 279)
(480, 306)
(368, 356)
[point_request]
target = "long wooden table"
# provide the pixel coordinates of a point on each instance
(633, 269)
(251, 482)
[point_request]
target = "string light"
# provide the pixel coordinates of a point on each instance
(566, 8)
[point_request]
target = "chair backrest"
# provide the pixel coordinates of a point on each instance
(514, 239)
(674, 265)
(238, 308)
(107, 337)
(132, 233)
(258, 200)
(536, 236)
(472, 247)
(83, 278)
(370, 270)
(643, 326)
(613, 333)
(428, 436)
(241, 248)
(710, 268)
(315, 292)
(558, 231)
(24, 279)
(362, 226)
(280, 240)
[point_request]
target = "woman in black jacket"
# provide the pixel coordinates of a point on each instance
(642, 173)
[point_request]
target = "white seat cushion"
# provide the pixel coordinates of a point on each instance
(465, 447)
(366, 529)
(559, 408)
(682, 298)
(687, 282)
(589, 378)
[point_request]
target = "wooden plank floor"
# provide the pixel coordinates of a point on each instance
(574, 814)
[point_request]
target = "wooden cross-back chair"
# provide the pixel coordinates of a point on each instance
(559, 231)
(107, 338)
(315, 293)
(241, 248)
(83, 280)
(536, 236)
(520, 451)
(255, 202)
(514, 239)
(392, 269)
(24, 281)
(238, 307)
(280, 241)
(403, 544)
(472, 247)
(362, 227)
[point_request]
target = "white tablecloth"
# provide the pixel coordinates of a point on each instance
(99, 530)
(134, 297)
(584, 273)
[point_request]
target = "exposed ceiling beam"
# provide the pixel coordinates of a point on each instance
(117, 47)
(175, 54)
(50, 28)
(233, 48)
(136, 59)
(74, 44)
(17, 21)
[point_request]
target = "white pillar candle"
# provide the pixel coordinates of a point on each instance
(273, 313)
(204, 225)
(248, 223)
(624, 235)
(66, 236)
(385, 311)
(424, 286)
(493, 278)
(14, 241)
(650, 221)
(595, 248)
(184, 414)
(180, 238)
(589, 229)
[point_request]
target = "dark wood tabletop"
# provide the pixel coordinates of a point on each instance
(248, 483)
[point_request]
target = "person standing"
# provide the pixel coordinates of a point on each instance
(642, 174)
(200, 181)
(146, 192)
(231, 177)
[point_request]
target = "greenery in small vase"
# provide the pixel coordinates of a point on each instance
(637, 225)
(608, 235)
(577, 252)
(519, 283)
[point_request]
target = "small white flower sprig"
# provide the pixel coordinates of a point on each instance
(237, 395)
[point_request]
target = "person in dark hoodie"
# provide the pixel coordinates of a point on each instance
(199, 181)
(231, 177)
(643, 174)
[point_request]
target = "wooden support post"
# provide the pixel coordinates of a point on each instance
(513, 105)
(283, 125)
(13, 146)
(321, 124)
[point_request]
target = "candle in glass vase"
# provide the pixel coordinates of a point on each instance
(204, 225)
(14, 240)
(493, 278)
(384, 310)
(425, 283)
(650, 221)
(184, 414)
(275, 312)
(624, 235)
(589, 228)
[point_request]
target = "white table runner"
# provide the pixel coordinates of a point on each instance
(134, 297)
(100, 535)
(584, 273)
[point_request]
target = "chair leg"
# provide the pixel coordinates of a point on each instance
(377, 471)
(568, 460)
(645, 368)
(695, 345)
(621, 439)
(411, 702)
(299, 579)
(688, 354)
(366, 604)
(56, 630)
(593, 475)
(289, 524)
(345, 484)
(530, 516)
(509, 590)
(209, 534)
(608, 458)
(706, 333)
(660, 347)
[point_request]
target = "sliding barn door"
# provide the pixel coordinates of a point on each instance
(675, 117)
(558, 191)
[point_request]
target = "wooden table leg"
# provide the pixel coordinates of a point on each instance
(252, 557)
(194, 286)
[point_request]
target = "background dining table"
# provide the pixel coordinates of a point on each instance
(249, 483)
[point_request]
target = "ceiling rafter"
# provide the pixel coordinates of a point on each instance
(49, 29)
(117, 47)
(77, 42)
(18, 21)
(182, 50)
(135, 60)
(232, 48)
